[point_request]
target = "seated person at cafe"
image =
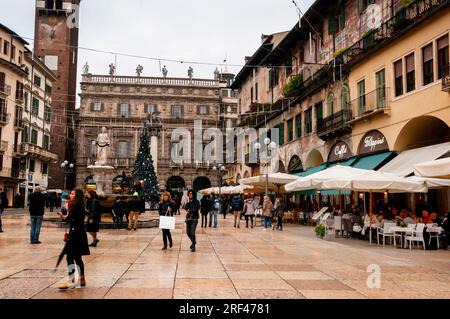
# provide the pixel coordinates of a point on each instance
(435, 219)
(425, 217)
(409, 219)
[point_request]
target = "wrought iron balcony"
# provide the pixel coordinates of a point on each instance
(334, 125)
(18, 174)
(372, 103)
(446, 79)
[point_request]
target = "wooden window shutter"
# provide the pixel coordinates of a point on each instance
(331, 24)
(342, 15)
(118, 108)
(103, 107)
(360, 6)
(92, 106)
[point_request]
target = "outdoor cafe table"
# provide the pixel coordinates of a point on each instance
(403, 231)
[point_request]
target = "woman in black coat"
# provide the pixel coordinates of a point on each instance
(95, 215)
(77, 242)
(167, 208)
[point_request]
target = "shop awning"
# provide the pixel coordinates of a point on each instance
(312, 170)
(347, 162)
(374, 161)
(403, 164)
(334, 192)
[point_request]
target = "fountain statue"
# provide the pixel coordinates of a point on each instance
(101, 166)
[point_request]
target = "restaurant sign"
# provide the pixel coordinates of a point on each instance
(372, 142)
(339, 152)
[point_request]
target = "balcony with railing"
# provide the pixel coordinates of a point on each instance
(34, 151)
(14, 173)
(3, 146)
(5, 90)
(334, 125)
(446, 79)
(160, 81)
(370, 104)
(403, 21)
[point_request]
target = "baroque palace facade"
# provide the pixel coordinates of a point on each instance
(123, 103)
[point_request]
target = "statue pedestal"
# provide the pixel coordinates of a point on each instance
(99, 172)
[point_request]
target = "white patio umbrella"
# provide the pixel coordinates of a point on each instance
(336, 177)
(349, 178)
(431, 182)
(439, 168)
(275, 181)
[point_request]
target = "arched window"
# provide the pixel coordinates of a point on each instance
(330, 104)
(345, 98)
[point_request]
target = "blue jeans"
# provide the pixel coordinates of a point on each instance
(211, 214)
(267, 221)
(36, 223)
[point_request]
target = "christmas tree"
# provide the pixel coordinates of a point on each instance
(145, 171)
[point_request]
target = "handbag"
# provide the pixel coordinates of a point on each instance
(167, 222)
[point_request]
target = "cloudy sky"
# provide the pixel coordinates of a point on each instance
(195, 30)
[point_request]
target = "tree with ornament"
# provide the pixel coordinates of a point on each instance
(145, 171)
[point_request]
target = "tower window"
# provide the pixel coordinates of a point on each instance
(54, 4)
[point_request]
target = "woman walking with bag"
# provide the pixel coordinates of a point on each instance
(167, 208)
(95, 215)
(267, 211)
(77, 243)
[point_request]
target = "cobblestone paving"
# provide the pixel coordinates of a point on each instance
(229, 263)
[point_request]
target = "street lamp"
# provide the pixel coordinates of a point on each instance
(220, 172)
(270, 146)
(68, 169)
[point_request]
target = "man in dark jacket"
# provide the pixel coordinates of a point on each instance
(205, 209)
(192, 207)
(37, 207)
(237, 204)
(3, 205)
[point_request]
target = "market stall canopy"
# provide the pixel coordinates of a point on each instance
(276, 181)
(403, 164)
(439, 168)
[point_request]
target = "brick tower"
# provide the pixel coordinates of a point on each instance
(56, 41)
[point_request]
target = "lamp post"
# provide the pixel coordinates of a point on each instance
(67, 169)
(270, 147)
(220, 172)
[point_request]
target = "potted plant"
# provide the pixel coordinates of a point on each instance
(320, 230)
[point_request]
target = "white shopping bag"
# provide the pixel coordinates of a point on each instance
(166, 222)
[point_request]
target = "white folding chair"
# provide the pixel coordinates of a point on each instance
(329, 226)
(417, 236)
(385, 232)
(434, 235)
(338, 225)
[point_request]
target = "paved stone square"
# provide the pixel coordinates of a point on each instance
(229, 263)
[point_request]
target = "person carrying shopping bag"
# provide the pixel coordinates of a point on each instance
(167, 208)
